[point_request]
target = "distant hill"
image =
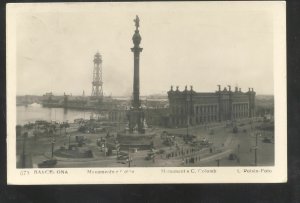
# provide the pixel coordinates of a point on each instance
(156, 96)
(265, 101)
(265, 97)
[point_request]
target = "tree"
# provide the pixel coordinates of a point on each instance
(60, 127)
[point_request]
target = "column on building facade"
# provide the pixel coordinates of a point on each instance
(208, 113)
(241, 110)
(234, 111)
(211, 113)
(248, 114)
(198, 114)
(242, 105)
(217, 113)
(205, 114)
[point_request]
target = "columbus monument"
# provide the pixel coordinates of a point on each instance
(136, 114)
(136, 137)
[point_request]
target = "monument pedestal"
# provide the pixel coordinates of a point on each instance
(136, 119)
(136, 140)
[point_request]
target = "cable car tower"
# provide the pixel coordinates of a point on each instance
(97, 91)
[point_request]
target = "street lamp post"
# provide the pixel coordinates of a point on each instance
(52, 147)
(105, 147)
(129, 160)
(69, 140)
(218, 162)
(153, 158)
(255, 150)
(23, 152)
(117, 145)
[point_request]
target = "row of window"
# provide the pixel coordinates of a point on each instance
(240, 107)
(198, 120)
(209, 109)
(240, 110)
(240, 114)
(178, 110)
(206, 119)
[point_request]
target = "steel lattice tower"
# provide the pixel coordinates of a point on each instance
(97, 91)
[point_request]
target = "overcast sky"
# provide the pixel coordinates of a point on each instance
(199, 44)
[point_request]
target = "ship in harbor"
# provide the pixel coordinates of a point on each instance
(82, 102)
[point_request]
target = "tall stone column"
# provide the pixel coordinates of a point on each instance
(136, 38)
(136, 114)
(136, 78)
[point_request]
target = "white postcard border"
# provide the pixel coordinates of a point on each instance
(260, 174)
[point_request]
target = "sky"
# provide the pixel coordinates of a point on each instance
(199, 44)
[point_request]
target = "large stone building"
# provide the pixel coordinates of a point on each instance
(194, 108)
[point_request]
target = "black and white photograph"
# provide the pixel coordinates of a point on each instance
(167, 85)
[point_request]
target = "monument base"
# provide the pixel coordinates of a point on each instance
(139, 141)
(136, 119)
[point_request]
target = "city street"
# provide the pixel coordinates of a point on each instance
(240, 145)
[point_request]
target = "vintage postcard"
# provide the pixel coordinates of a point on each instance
(146, 92)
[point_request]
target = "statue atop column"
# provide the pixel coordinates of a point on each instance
(137, 22)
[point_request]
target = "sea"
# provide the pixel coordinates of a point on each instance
(33, 112)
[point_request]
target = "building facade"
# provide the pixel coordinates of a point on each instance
(194, 108)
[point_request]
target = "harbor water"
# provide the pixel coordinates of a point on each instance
(33, 112)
